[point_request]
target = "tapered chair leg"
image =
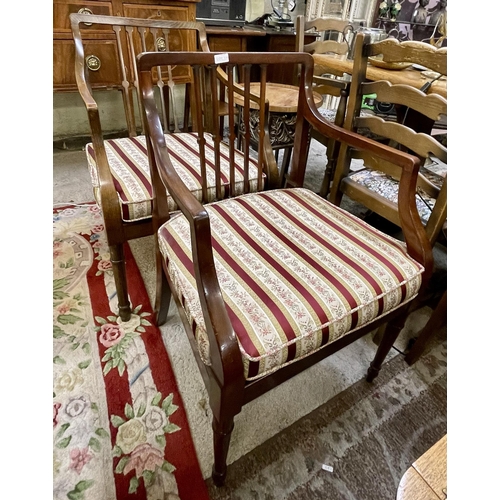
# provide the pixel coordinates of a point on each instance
(163, 294)
(222, 436)
(391, 332)
(118, 263)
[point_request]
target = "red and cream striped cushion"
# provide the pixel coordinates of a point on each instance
(128, 161)
(296, 273)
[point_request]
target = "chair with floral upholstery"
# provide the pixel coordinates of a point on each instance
(269, 282)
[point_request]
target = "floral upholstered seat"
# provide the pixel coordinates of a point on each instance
(128, 161)
(384, 185)
(304, 251)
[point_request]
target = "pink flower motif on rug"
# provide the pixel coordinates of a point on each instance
(79, 458)
(111, 421)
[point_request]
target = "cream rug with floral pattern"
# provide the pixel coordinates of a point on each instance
(120, 428)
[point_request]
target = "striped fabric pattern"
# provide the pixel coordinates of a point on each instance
(296, 273)
(128, 161)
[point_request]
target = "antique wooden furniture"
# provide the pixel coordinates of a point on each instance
(376, 184)
(332, 84)
(426, 479)
(271, 281)
(119, 167)
(99, 39)
(408, 76)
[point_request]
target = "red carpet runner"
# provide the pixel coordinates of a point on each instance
(120, 428)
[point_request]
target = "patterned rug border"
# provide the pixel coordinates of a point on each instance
(139, 460)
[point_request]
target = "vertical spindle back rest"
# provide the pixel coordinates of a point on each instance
(133, 36)
(207, 81)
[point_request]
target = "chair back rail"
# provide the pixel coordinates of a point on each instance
(415, 52)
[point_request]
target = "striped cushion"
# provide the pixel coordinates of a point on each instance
(128, 161)
(296, 273)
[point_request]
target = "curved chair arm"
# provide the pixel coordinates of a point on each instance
(109, 198)
(225, 357)
(418, 245)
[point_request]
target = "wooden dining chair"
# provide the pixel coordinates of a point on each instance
(376, 185)
(119, 167)
(269, 282)
(333, 86)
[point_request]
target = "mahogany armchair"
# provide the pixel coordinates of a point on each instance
(269, 282)
(119, 167)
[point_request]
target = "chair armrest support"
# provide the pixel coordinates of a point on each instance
(418, 245)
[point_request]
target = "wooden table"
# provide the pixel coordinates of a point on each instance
(426, 478)
(283, 101)
(282, 98)
(408, 76)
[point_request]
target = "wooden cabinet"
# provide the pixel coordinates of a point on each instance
(100, 41)
(255, 39)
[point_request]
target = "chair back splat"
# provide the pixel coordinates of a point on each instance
(270, 281)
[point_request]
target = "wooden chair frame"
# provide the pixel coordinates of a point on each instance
(334, 85)
(427, 107)
(224, 378)
(131, 37)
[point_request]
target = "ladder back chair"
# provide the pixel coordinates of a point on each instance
(334, 87)
(119, 167)
(376, 184)
(270, 282)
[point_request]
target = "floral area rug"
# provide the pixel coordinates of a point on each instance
(120, 429)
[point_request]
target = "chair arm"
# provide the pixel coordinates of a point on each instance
(109, 198)
(418, 245)
(225, 356)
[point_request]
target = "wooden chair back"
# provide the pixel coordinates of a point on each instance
(129, 37)
(332, 86)
(415, 108)
(118, 162)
